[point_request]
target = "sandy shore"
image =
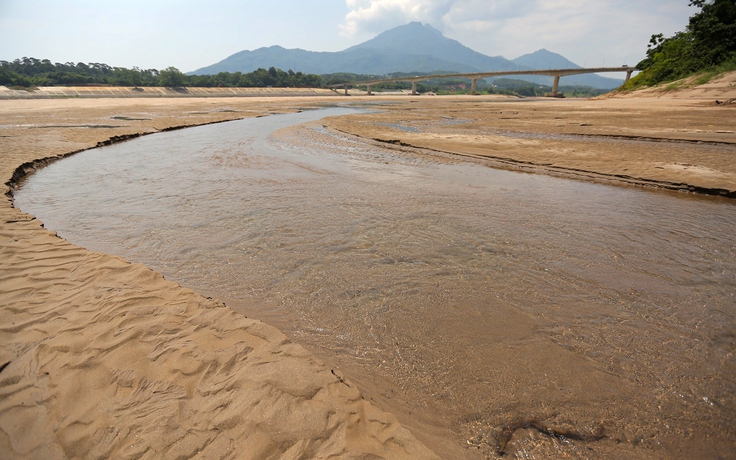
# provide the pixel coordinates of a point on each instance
(103, 358)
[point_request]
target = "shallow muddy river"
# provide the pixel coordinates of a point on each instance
(460, 297)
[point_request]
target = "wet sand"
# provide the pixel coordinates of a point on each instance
(101, 352)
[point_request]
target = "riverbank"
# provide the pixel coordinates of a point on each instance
(100, 357)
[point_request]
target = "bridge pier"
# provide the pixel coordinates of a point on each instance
(346, 90)
(473, 86)
(413, 88)
(555, 86)
(628, 75)
(369, 90)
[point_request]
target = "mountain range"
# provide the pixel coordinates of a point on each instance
(414, 47)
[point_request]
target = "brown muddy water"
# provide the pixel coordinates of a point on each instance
(457, 296)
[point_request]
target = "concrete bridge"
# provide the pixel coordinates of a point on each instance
(474, 77)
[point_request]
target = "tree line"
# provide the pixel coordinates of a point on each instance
(708, 44)
(27, 72)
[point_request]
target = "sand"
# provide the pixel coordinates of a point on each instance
(101, 357)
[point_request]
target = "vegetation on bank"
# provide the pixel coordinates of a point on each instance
(28, 72)
(706, 47)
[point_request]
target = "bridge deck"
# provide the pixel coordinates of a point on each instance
(557, 73)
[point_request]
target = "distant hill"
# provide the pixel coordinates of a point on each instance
(543, 59)
(362, 61)
(410, 48)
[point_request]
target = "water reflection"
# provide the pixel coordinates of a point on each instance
(481, 296)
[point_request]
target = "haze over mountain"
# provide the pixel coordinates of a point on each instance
(410, 48)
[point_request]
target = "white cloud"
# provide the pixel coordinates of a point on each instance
(379, 15)
(588, 32)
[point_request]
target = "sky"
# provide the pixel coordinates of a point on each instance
(190, 34)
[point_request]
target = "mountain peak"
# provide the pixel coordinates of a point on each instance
(545, 59)
(418, 25)
(417, 39)
(412, 38)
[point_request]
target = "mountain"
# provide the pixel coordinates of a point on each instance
(410, 48)
(414, 47)
(416, 39)
(543, 59)
(361, 61)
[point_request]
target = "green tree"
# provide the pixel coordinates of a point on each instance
(713, 31)
(125, 77)
(709, 40)
(171, 77)
(527, 91)
(31, 71)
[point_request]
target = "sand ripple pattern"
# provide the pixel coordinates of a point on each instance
(107, 359)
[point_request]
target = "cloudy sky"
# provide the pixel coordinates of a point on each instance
(190, 34)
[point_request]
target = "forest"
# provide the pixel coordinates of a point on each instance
(707, 46)
(28, 72)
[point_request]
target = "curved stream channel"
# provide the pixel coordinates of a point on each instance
(460, 297)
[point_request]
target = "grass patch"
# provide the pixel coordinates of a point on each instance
(677, 85)
(716, 72)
